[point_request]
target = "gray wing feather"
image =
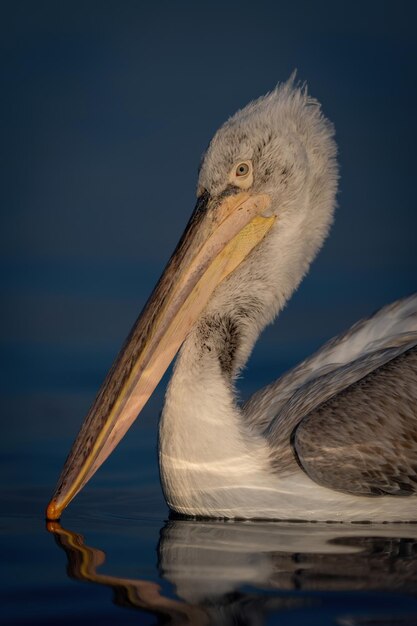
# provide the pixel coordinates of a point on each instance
(353, 354)
(363, 441)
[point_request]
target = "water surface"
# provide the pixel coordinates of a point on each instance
(128, 563)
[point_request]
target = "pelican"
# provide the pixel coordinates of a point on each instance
(335, 439)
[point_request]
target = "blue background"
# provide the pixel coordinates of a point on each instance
(106, 108)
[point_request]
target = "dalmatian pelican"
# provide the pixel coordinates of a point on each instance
(335, 439)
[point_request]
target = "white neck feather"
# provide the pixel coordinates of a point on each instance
(204, 448)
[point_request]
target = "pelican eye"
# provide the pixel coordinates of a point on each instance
(242, 169)
(241, 175)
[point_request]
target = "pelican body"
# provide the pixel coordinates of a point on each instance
(335, 439)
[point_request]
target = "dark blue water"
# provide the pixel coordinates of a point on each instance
(116, 558)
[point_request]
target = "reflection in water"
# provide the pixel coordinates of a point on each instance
(218, 567)
(83, 562)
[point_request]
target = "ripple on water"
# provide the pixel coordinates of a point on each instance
(116, 549)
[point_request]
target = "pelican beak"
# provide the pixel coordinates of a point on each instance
(219, 236)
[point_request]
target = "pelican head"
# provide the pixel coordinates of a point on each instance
(265, 199)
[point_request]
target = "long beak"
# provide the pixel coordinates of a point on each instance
(218, 237)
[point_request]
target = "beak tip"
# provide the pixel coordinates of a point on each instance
(53, 511)
(53, 527)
